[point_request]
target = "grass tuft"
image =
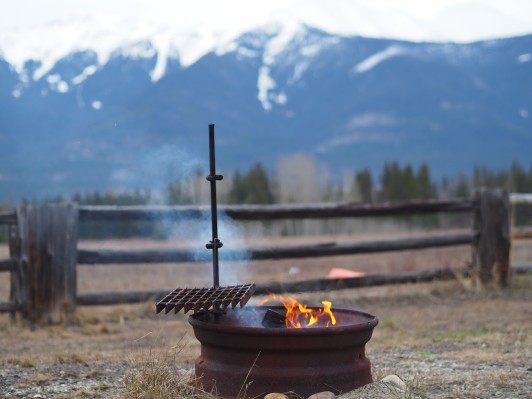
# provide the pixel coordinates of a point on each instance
(71, 357)
(155, 375)
(25, 362)
(412, 391)
(38, 378)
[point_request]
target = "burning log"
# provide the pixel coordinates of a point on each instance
(273, 319)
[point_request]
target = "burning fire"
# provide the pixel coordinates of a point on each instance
(299, 315)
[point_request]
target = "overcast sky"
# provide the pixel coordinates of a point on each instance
(23, 13)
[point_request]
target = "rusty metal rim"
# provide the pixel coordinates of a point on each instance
(260, 330)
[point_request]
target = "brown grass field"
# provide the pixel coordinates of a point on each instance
(448, 339)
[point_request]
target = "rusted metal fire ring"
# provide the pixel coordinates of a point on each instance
(240, 357)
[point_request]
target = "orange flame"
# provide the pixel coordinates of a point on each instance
(299, 315)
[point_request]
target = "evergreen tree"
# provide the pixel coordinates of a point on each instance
(393, 183)
(485, 177)
(259, 187)
(364, 184)
(425, 187)
(237, 193)
(462, 188)
(252, 188)
(521, 182)
(409, 188)
(401, 183)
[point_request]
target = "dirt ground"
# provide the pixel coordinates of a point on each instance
(447, 338)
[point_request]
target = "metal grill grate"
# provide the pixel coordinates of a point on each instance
(197, 299)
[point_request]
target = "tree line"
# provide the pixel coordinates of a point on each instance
(396, 182)
(299, 178)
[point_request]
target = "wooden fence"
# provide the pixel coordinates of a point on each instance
(44, 255)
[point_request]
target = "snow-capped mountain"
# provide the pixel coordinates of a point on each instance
(99, 106)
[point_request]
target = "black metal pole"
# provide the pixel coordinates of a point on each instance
(215, 243)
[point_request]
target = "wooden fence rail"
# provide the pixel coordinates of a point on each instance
(7, 265)
(372, 280)
(8, 217)
(92, 257)
(274, 212)
(44, 253)
(521, 198)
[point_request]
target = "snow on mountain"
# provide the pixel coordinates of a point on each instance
(377, 58)
(354, 18)
(457, 19)
(111, 38)
(88, 71)
(188, 40)
(106, 37)
(284, 34)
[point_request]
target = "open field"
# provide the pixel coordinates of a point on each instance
(445, 337)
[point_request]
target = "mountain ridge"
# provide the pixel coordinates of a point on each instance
(351, 102)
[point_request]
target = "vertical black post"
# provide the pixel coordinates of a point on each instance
(215, 243)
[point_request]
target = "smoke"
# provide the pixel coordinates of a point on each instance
(168, 163)
(191, 233)
(233, 256)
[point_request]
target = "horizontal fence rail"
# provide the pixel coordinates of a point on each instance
(372, 280)
(6, 265)
(6, 307)
(8, 217)
(273, 212)
(521, 234)
(91, 257)
(521, 198)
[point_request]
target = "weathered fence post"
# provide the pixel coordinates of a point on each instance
(491, 225)
(44, 245)
(14, 251)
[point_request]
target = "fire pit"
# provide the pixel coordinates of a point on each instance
(247, 352)
(241, 357)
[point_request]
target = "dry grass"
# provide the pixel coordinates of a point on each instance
(71, 357)
(23, 361)
(38, 378)
(382, 390)
(441, 338)
(154, 374)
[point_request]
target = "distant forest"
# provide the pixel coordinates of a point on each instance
(299, 178)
